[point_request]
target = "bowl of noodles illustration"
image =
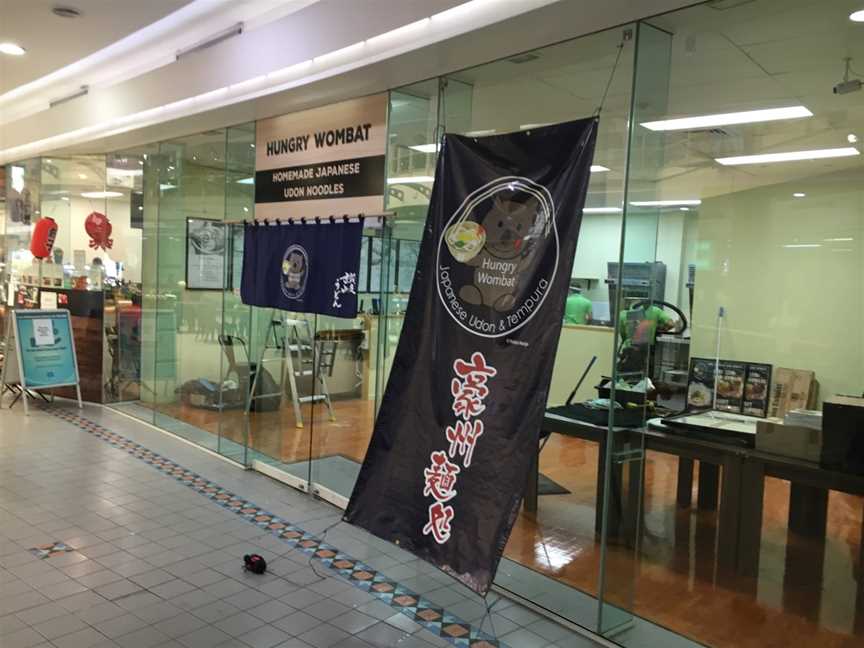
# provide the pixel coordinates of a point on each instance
(465, 239)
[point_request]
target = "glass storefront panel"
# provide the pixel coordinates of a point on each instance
(763, 258)
(553, 554)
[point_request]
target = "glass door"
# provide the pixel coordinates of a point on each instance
(641, 289)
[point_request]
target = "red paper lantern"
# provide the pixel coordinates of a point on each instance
(44, 233)
(98, 228)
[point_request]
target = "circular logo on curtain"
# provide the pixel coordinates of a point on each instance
(295, 271)
(497, 256)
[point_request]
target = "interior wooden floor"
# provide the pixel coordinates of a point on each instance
(674, 580)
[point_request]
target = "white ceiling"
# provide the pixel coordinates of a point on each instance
(52, 42)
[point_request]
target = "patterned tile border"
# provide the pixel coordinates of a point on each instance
(48, 550)
(361, 575)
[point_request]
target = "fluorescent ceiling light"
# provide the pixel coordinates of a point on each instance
(125, 172)
(101, 194)
(247, 181)
(843, 239)
(666, 203)
(684, 208)
(480, 133)
(598, 168)
(11, 49)
(789, 156)
(425, 148)
(857, 16)
(527, 126)
(803, 245)
(410, 179)
(799, 194)
(728, 119)
(82, 176)
(602, 210)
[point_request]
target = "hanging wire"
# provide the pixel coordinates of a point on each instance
(611, 77)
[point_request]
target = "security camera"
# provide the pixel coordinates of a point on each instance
(845, 87)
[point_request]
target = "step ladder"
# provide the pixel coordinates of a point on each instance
(289, 341)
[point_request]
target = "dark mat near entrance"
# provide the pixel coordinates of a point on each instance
(546, 486)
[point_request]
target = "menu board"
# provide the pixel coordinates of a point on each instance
(700, 386)
(742, 387)
(730, 386)
(757, 388)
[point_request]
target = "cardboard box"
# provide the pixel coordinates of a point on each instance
(792, 389)
(794, 441)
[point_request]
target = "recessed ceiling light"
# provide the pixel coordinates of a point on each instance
(12, 49)
(728, 119)
(857, 16)
(799, 194)
(788, 156)
(852, 138)
(667, 203)
(101, 194)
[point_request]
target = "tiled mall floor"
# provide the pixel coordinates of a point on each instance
(153, 562)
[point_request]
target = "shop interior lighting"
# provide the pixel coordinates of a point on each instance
(410, 180)
(101, 194)
(602, 210)
(684, 208)
(246, 181)
(799, 194)
(480, 133)
(803, 245)
(728, 119)
(852, 138)
(82, 176)
(857, 16)
(842, 239)
(12, 49)
(667, 203)
(789, 156)
(425, 148)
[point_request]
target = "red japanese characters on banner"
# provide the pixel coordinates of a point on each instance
(469, 390)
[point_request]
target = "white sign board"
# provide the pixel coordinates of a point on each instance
(327, 161)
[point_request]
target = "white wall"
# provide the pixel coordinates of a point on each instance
(71, 235)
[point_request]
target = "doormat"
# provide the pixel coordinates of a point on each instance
(546, 486)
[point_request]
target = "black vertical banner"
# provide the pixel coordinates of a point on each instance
(449, 458)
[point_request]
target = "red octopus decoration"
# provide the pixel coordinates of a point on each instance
(98, 228)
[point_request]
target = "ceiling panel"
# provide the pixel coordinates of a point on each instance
(52, 42)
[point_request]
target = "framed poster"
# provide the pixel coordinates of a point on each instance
(205, 254)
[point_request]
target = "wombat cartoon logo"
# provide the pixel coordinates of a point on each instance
(498, 255)
(508, 253)
(295, 270)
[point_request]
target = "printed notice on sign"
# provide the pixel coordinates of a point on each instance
(322, 162)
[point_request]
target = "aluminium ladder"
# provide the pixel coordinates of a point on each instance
(299, 356)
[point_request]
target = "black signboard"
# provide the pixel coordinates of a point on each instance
(459, 424)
